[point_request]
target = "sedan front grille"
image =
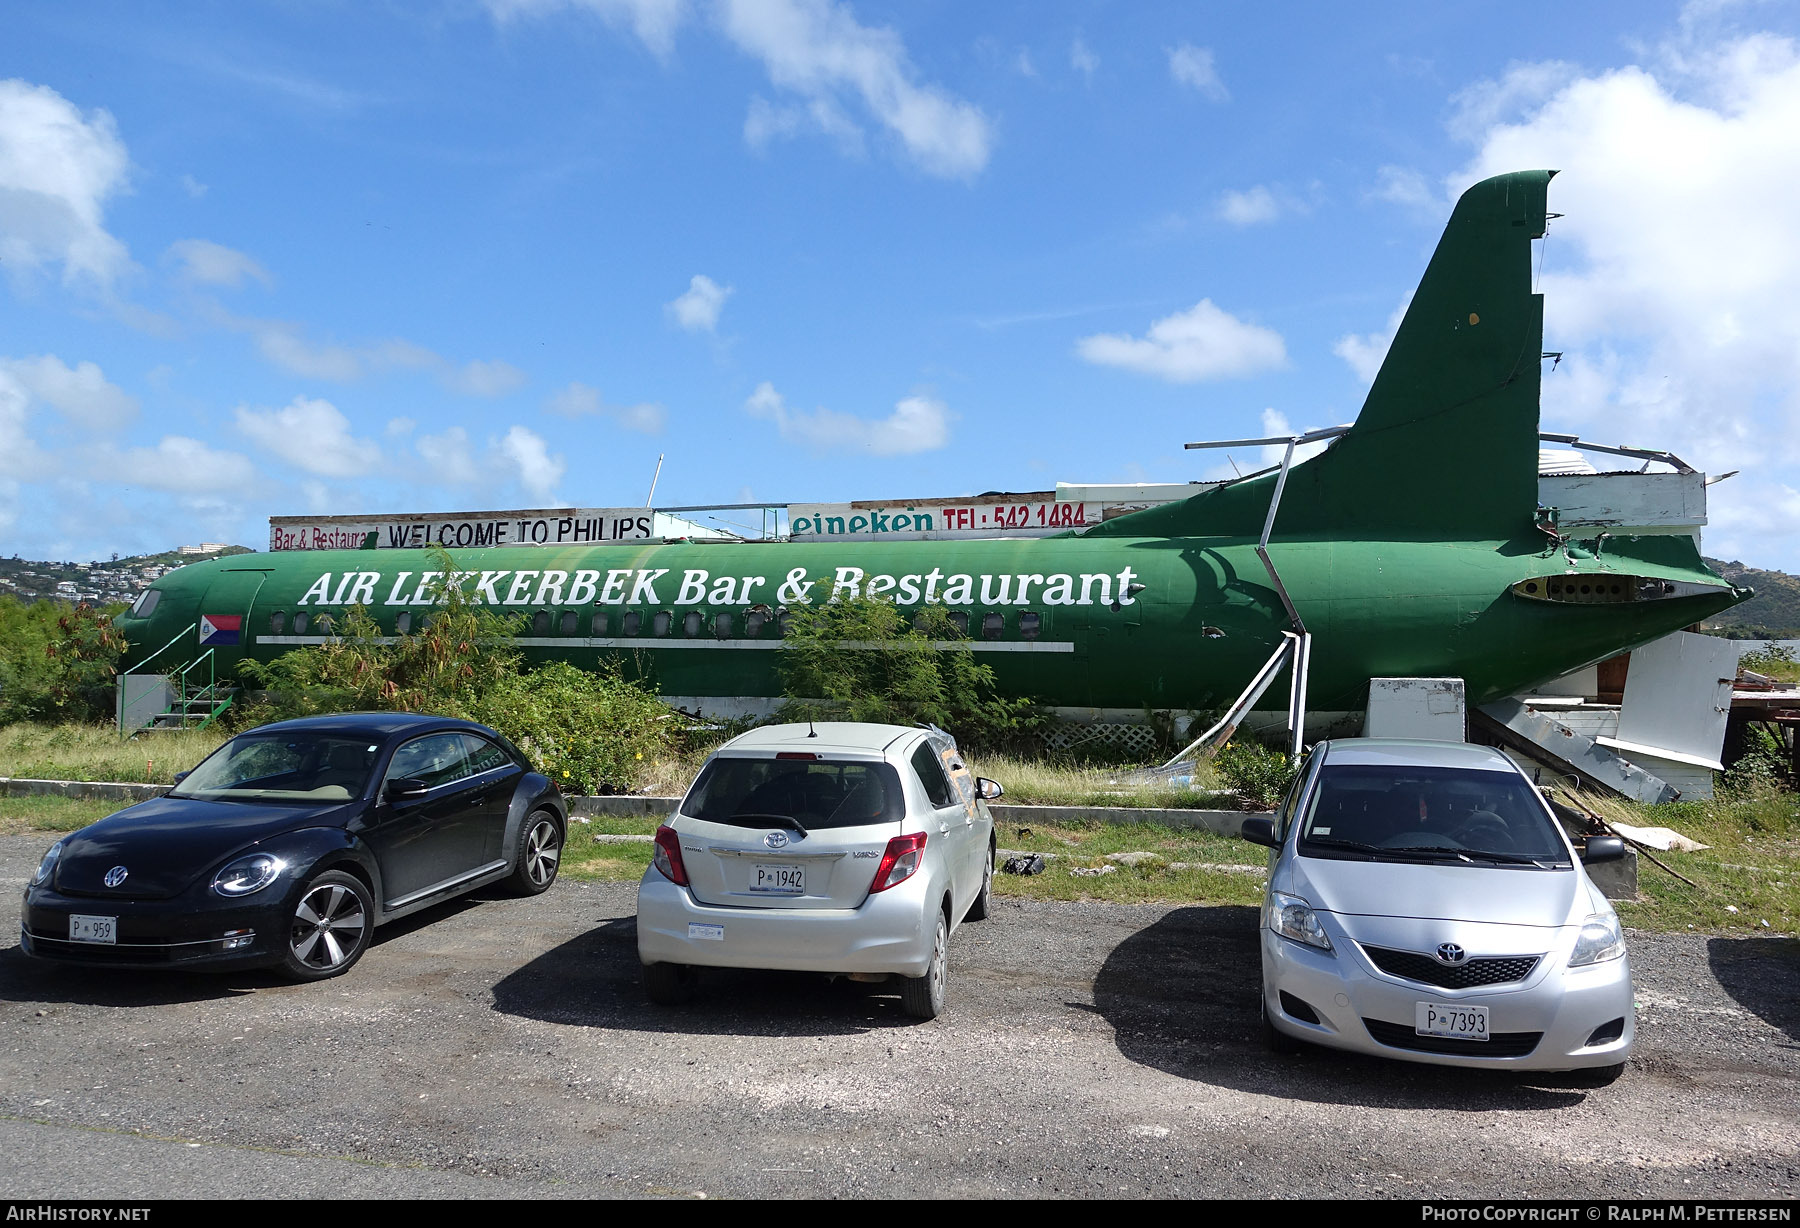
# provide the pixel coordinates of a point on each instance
(1498, 1044)
(1428, 970)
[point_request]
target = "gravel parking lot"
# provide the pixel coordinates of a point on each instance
(501, 1048)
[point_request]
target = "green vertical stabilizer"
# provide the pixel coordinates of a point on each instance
(1446, 444)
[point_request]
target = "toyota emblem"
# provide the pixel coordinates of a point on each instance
(776, 839)
(115, 876)
(1450, 953)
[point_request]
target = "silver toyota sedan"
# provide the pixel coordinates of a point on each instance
(840, 848)
(1424, 903)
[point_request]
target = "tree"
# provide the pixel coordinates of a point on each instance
(858, 659)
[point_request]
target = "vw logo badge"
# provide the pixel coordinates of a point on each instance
(1450, 953)
(115, 876)
(776, 839)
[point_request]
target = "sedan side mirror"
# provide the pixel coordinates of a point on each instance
(180, 776)
(1260, 831)
(406, 787)
(987, 790)
(1603, 848)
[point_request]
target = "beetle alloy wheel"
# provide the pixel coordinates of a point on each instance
(328, 929)
(543, 853)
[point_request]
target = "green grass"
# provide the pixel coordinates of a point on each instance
(594, 861)
(1028, 782)
(23, 814)
(1037, 782)
(1753, 864)
(1072, 846)
(97, 752)
(1778, 663)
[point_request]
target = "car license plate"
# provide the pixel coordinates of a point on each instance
(1459, 1022)
(778, 880)
(93, 929)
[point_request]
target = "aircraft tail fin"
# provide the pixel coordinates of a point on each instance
(1446, 442)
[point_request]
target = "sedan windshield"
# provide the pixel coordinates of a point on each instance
(812, 793)
(298, 767)
(1426, 813)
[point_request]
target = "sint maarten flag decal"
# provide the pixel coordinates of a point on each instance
(218, 630)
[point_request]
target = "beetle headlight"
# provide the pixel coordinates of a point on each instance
(47, 866)
(249, 874)
(1601, 939)
(1292, 917)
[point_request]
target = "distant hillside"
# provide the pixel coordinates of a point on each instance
(1773, 614)
(98, 581)
(174, 558)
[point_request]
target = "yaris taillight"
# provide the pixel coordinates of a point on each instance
(667, 858)
(900, 862)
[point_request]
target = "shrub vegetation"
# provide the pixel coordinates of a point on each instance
(590, 732)
(57, 661)
(858, 659)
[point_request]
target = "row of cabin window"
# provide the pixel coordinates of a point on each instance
(693, 623)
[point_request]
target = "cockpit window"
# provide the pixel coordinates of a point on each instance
(145, 605)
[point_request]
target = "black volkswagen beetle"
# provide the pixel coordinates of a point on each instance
(276, 849)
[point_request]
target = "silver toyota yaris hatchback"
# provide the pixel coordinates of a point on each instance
(840, 848)
(1424, 903)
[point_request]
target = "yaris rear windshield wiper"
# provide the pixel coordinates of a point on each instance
(772, 820)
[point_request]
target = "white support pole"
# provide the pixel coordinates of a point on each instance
(1234, 715)
(1302, 665)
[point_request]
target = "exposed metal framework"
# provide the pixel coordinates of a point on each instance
(1650, 454)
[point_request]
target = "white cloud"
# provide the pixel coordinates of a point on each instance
(400, 428)
(1399, 185)
(286, 345)
(521, 458)
(819, 51)
(312, 435)
(483, 378)
(19, 455)
(449, 459)
(529, 459)
(1365, 352)
(1673, 281)
(653, 21)
(765, 121)
(579, 400)
(1478, 107)
(1082, 60)
(205, 263)
(81, 394)
(181, 465)
(1251, 207)
(283, 345)
(918, 424)
(698, 309)
(1202, 343)
(57, 170)
(193, 187)
(1193, 67)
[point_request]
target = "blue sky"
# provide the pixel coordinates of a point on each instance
(288, 258)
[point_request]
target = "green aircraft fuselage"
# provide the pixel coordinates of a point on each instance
(1412, 546)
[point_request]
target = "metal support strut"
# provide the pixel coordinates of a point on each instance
(1295, 650)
